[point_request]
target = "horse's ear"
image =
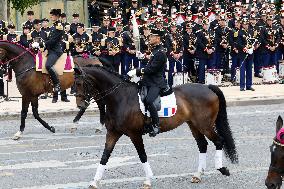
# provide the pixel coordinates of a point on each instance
(279, 124)
(77, 71)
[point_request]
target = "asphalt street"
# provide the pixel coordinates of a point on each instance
(42, 160)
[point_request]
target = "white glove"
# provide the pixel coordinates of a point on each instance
(132, 73)
(250, 51)
(139, 55)
(35, 45)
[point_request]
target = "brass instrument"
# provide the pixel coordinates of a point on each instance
(79, 44)
(112, 48)
(210, 37)
(271, 37)
(192, 42)
(96, 46)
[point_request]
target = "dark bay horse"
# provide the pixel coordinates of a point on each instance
(276, 169)
(202, 107)
(31, 84)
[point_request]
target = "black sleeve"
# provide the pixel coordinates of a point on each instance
(158, 61)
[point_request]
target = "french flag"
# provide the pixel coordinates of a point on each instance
(169, 111)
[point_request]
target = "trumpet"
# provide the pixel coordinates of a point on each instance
(192, 42)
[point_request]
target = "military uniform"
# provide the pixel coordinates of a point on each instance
(26, 39)
(174, 45)
(269, 39)
(3, 29)
(222, 52)
(257, 58)
(80, 42)
(111, 47)
(94, 13)
(96, 43)
(204, 45)
(245, 43)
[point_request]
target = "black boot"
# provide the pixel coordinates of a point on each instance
(155, 121)
(64, 96)
(55, 80)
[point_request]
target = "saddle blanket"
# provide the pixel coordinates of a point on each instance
(63, 64)
(168, 106)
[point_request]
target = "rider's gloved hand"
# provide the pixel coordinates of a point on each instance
(35, 45)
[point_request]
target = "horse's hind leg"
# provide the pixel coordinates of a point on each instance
(137, 140)
(25, 108)
(111, 139)
(36, 115)
(218, 142)
(202, 146)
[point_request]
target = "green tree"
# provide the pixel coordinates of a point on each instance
(22, 5)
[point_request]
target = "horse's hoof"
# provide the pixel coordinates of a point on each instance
(52, 129)
(225, 171)
(146, 186)
(17, 136)
(98, 131)
(92, 187)
(195, 179)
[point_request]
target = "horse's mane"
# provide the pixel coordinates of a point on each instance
(20, 46)
(122, 77)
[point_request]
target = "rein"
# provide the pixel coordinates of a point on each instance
(98, 95)
(13, 59)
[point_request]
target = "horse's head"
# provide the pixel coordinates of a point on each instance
(276, 169)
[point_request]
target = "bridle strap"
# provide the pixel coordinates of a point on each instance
(276, 170)
(277, 143)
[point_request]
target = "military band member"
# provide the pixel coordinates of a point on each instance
(38, 34)
(94, 12)
(3, 29)
(111, 47)
(115, 11)
(132, 9)
(269, 40)
(44, 25)
(205, 48)
(74, 24)
(63, 19)
(105, 27)
(246, 45)
(81, 41)
(189, 44)
(30, 21)
(280, 52)
(130, 59)
(145, 47)
(96, 41)
(222, 48)
(11, 36)
(26, 37)
(174, 45)
(233, 37)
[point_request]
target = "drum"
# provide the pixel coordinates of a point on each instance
(180, 78)
(281, 69)
(269, 75)
(213, 77)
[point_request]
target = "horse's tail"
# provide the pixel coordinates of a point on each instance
(223, 127)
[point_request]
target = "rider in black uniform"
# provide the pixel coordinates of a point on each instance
(153, 76)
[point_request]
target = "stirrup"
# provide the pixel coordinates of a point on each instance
(155, 131)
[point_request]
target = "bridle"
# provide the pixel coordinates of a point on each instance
(13, 59)
(272, 168)
(94, 95)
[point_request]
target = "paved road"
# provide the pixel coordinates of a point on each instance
(42, 160)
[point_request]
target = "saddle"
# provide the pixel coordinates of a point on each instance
(165, 103)
(64, 64)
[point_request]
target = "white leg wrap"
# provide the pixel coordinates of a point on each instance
(148, 172)
(100, 171)
(202, 162)
(218, 159)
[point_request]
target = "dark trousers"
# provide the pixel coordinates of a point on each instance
(153, 93)
(246, 72)
(173, 63)
(63, 95)
(257, 61)
(235, 63)
(201, 68)
(189, 66)
(269, 59)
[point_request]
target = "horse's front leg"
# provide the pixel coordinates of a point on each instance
(111, 139)
(25, 108)
(137, 140)
(36, 115)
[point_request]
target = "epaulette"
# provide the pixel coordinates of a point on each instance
(103, 42)
(59, 26)
(70, 38)
(5, 37)
(67, 45)
(18, 38)
(120, 41)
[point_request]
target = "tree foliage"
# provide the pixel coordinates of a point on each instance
(22, 5)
